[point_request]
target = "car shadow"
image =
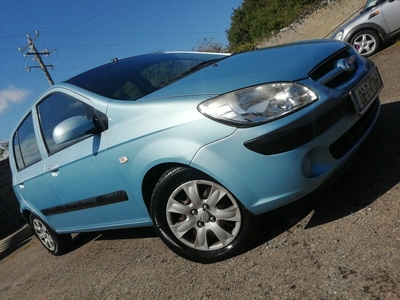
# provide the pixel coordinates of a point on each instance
(374, 170)
(81, 239)
(388, 44)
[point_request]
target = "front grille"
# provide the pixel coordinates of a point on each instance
(329, 72)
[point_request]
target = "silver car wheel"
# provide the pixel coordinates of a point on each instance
(366, 42)
(198, 218)
(56, 244)
(44, 235)
(203, 215)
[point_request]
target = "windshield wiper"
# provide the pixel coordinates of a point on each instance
(193, 69)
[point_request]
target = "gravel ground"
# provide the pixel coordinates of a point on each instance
(343, 243)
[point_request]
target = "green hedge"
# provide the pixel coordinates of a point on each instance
(256, 20)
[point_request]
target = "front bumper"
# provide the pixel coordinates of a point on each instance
(312, 125)
(265, 182)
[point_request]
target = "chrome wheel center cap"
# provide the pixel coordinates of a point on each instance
(204, 216)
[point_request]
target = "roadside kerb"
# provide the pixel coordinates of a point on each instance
(13, 240)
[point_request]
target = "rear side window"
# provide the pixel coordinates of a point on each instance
(55, 109)
(26, 150)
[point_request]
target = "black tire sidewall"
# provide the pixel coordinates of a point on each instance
(170, 181)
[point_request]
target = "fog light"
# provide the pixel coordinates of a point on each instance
(307, 166)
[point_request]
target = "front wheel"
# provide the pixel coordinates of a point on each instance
(56, 244)
(198, 218)
(366, 42)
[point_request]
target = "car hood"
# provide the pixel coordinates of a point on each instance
(290, 62)
(360, 18)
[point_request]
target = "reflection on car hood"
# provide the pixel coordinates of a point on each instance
(291, 62)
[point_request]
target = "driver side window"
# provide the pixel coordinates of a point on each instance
(55, 109)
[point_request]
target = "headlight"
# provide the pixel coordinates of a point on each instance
(338, 36)
(258, 104)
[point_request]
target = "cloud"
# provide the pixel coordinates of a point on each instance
(11, 95)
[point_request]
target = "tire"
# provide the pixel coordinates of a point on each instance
(366, 42)
(199, 219)
(56, 244)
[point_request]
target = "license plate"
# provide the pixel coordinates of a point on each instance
(363, 94)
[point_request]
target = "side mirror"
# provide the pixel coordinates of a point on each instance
(73, 128)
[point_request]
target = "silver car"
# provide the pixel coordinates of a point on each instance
(378, 22)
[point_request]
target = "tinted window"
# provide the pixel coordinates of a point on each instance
(162, 73)
(151, 79)
(370, 4)
(25, 145)
(138, 76)
(17, 153)
(55, 109)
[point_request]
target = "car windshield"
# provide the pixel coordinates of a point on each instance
(370, 4)
(135, 77)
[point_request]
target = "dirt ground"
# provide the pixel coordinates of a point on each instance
(342, 244)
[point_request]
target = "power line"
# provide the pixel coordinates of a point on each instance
(72, 33)
(113, 12)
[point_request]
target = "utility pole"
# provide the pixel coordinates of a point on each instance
(38, 57)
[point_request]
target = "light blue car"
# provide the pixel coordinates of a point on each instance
(197, 144)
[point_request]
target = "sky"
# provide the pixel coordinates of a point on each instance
(83, 34)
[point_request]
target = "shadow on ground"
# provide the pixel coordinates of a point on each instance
(82, 239)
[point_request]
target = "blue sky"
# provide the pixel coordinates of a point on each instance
(88, 33)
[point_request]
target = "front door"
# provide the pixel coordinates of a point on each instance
(93, 194)
(391, 13)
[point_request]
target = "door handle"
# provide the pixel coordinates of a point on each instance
(20, 183)
(53, 169)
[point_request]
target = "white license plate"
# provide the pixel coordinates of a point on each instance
(363, 94)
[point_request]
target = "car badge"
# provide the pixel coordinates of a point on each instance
(347, 64)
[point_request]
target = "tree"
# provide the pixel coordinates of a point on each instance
(255, 20)
(4, 150)
(209, 45)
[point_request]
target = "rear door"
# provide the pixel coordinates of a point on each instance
(29, 180)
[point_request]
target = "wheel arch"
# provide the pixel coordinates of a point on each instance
(151, 178)
(26, 214)
(154, 174)
(367, 26)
